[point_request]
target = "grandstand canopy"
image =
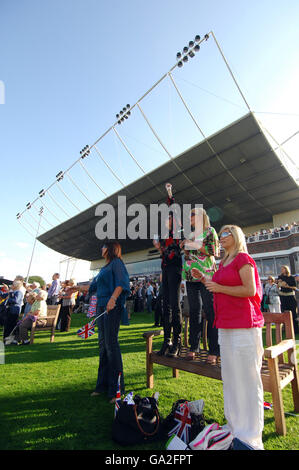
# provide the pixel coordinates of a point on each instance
(234, 173)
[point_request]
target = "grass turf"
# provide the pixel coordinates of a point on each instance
(45, 401)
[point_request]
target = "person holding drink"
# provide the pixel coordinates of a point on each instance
(237, 291)
(171, 265)
(200, 251)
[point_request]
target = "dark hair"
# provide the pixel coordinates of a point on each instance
(113, 251)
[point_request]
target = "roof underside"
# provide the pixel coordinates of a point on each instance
(241, 181)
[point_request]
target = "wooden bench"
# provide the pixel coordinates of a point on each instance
(52, 317)
(276, 371)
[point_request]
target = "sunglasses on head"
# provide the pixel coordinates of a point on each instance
(225, 234)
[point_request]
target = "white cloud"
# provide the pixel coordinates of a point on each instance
(45, 263)
(22, 244)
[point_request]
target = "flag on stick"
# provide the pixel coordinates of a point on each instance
(118, 396)
(182, 419)
(88, 330)
(267, 406)
(92, 309)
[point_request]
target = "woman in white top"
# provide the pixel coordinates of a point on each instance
(272, 291)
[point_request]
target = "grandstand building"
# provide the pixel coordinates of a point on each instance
(237, 176)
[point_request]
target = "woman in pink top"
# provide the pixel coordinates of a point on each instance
(237, 297)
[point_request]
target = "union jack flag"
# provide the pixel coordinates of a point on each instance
(182, 427)
(267, 406)
(87, 330)
(92, 306)
(118, 396)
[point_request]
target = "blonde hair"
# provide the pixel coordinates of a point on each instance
(199, 211)
(18, 284)
(287, 269)
(239, 238)
(43, 294)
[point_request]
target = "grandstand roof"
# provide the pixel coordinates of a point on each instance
(234, 173)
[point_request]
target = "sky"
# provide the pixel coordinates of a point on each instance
(68, 66)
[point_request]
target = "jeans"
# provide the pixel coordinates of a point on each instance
(149, 303)
(10, 322)
(158, 311)
(110, 364)
(172, 316)
(199, 299)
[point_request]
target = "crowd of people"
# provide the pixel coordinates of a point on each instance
(22, 304)
(273, 232)
(231, 296)
(279, 295)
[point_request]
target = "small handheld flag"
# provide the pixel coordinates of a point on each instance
(129, 399)
(267, 406)
(92, 309)
(182, 419)
(89, 329)
(118, 396)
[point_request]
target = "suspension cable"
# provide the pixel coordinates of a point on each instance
(57, 203)
(88, 174)
(83, 194)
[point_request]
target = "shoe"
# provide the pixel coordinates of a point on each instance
(25, 343)
(12, 343)
(175, 349)
(212, 359)
(95, 394)
(190, 356)
(164, 349)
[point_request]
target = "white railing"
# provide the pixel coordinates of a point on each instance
(272, 236)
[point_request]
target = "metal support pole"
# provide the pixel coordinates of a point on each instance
(33, 249)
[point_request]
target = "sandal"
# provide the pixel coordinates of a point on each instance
(95, 394)
(190, 356)
(212, 359)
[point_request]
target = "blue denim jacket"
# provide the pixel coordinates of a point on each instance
(112, 275)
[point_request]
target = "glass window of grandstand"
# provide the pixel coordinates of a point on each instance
(282, 262)
(268, 267)
(144, 267)
(258, 263)
(272, 266)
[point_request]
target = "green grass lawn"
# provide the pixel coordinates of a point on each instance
(45, 400)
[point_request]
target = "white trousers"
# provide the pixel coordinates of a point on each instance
(274, 308)
(241, 353)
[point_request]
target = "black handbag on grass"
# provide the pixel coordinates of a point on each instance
(137, 423)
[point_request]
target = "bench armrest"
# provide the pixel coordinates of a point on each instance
(149, 334)
(273, 351)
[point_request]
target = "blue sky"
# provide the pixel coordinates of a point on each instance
(68, 66)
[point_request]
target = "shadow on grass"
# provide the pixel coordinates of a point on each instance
(81, 349)
(64, 419)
